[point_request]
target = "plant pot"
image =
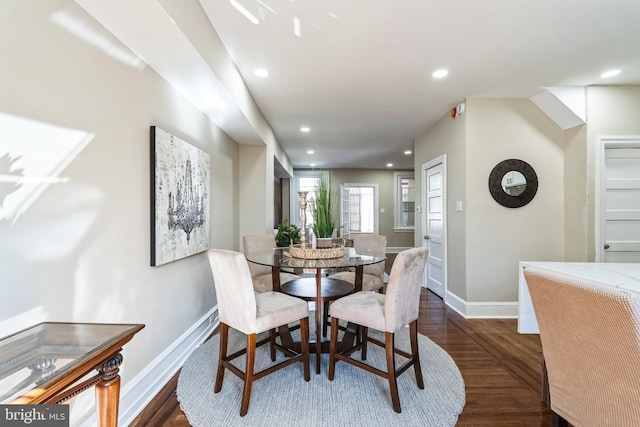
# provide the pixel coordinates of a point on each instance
(324, 242)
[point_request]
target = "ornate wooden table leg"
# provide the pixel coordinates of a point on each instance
(108, 392)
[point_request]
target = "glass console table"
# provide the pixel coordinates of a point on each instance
(45, 363)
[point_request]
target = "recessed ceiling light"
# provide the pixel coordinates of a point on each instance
(310, 151)
(305, 129)
(610, 73)
(407, 152)
(438, 74)
(313, 165)
(389, 165)
(261, 72)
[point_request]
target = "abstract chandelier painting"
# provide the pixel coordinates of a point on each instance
(180, 198)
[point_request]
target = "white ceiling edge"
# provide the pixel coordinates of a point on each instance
(565, 105)
(165, 48)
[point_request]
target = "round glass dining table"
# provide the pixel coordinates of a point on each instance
(325, 288)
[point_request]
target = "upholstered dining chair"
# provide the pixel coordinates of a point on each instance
(261, 274)
(590, 336)
(373, 275)
(388, 313)
(251, 313)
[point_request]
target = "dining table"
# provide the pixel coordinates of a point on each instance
(317, 285)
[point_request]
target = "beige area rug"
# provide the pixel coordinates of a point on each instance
(354, 398)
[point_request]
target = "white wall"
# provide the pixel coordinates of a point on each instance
(80, 252)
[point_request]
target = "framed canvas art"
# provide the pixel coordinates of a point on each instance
(180, 198)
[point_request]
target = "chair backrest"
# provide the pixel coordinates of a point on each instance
(234, 289)
(402, 299)
(258, 243)
(591, 345)
(364, 243)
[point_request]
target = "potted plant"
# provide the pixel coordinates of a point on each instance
(287, 234)
(322, 212)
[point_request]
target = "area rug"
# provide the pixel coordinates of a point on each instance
(354, 398)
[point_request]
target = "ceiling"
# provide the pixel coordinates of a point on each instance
(359, 73)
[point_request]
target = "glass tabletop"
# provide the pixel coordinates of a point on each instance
(45, 351)
(279, 257)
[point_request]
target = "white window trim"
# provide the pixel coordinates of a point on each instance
(376, 205)
(397, 204)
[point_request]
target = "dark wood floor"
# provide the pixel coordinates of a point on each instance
(500, 367)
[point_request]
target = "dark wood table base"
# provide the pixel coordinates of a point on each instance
(321, 290)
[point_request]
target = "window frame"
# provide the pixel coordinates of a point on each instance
(397, 201)
(376, 204)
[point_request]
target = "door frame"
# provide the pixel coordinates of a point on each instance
(442, 159)
(604, 142)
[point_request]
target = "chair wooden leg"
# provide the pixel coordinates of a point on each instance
(413, 334)
(272, 344)
(325, 318)
(248, 374)
(222, 355)
(558, 421)
(365, 334)
(304, 346)
(391, 371)
(332, 347)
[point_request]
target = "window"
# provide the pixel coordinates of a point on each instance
(359, 208)
(304, 181)
(405, 201)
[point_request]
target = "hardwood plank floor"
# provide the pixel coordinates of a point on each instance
(500, 367)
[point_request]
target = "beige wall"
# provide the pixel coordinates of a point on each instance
(486, 241)
(447, 137)
(385, 180)
(611, 111)
(575, 194)
(498, 238)
(256, 161)
(81, 250)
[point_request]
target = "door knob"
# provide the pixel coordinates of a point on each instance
(426, 237)
(606, 246)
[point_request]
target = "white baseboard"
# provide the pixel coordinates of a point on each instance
(138, 392)
(482, 310)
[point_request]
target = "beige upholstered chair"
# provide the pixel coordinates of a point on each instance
(373, 275)
(389, 313)
(590, 337)
(250, 312)
(261, 274)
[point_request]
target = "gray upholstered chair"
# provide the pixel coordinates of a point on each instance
(261, 274)
(251, 313)
(590, 337)
(389, 313)
(373, 275)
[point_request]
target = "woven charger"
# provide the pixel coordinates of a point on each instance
(297, 251)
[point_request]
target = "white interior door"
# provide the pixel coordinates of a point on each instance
(433, 224)
(620, 196)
